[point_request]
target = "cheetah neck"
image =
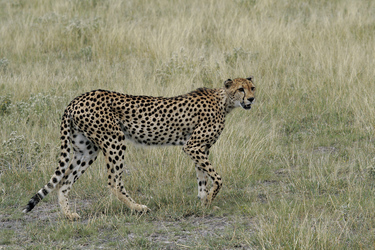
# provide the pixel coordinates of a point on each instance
(226, 102)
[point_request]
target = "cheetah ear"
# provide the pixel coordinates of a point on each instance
(250, 78)
(228, 83)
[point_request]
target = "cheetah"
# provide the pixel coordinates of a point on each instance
(102, 120)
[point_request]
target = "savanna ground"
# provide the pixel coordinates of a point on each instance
(298, 168)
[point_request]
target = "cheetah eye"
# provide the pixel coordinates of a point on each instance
(241, 89)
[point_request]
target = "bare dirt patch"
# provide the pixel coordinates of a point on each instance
(178, 233)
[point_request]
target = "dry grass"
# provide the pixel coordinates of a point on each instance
(298, 168)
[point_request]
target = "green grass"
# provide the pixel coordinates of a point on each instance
(298, 169)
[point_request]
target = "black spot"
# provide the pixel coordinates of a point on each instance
(45, 192)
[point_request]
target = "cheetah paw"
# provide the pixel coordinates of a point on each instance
(145, 209)
(73, 216)
(142, 208)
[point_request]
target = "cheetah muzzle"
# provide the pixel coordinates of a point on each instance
(246, 106)
(102, 120)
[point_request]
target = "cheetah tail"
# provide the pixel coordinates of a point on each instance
(61, 169)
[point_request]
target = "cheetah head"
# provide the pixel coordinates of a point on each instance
(240, 92)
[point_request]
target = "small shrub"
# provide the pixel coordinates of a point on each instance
(5, 102)
(4, 64)
(19, 152)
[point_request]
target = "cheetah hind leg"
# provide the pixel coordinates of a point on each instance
(85, 153)
(76, 169)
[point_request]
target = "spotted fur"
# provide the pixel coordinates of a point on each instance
(103, 120)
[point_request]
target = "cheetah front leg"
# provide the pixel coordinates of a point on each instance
(114, 158)
(202, 182)
(204, 169)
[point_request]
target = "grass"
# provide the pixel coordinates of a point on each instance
(298, 169)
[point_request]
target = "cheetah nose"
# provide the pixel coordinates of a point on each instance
(251, 99)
